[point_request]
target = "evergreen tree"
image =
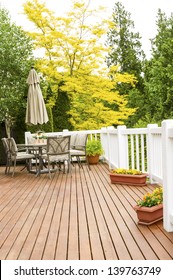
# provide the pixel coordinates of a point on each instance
(61, 112)
(126, 52)
(159, 71)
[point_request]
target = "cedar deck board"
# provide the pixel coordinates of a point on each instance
(19, 209)
(106, 240)
(147, 231)
(121, 203)
(121, 224)
(73, 245)
(53, 233)
(62, 244)
(119, 234)
(27, 215)
(31, 234)
(75, 216)
(97, 251)
(84, 237)
(40, 226)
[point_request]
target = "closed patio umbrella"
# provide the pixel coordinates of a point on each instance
(36, 112)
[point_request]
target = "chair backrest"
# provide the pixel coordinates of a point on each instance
(58, 145)
(80, 143)
(5, 145)
(73, 140)
(12, 146)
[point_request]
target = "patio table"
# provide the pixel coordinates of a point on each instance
(38, 149)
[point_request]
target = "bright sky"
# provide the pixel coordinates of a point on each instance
(143, 13)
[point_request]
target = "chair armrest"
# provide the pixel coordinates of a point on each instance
(79, 147)
(21, 147)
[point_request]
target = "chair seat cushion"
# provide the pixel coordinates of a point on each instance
(23, 155)
(55, 158)
(74, 152)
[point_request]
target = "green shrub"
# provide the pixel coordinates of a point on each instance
(94, 147)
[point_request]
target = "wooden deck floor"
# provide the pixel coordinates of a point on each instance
(78, 216)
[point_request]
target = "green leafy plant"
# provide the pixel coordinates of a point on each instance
(94, 147)
(152, 199)
(126, 171)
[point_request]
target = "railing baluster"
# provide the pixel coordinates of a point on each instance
(132, 152)
(142, 153)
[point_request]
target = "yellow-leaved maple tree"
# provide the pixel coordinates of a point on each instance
(74, 59)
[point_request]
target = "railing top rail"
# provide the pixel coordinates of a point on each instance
(95, 131)
(135, 131)
(156, 130)
(126, 131)
(70, 132)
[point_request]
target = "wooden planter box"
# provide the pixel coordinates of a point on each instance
(127, 179)
(149, 215)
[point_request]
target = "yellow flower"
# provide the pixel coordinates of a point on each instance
(151, 199)
(126, 171)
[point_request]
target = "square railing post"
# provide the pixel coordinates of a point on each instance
(122, 147)
(167, 154)
(104, 142)
(108, 139)
(150, 154)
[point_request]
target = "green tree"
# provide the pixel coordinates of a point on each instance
(61, 112)
(15, 58)
(74, 63)
(159, 71)
(126, 52)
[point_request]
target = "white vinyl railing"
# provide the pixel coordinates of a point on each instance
(125, 148)
(154, 153)
(167, 169)
(93, 134)
(134, 148)
(147, 149)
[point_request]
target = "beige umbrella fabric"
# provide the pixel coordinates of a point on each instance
(36, 112)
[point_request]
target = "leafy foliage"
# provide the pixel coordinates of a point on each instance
(74, 62)
(94, 147)
(15, 60)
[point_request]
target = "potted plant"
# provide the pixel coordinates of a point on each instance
(93, 151)
(128, 177)
(150, 209)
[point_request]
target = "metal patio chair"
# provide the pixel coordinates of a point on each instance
(13, 155)
(78, 150)
(6, 149)
(58, 152)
